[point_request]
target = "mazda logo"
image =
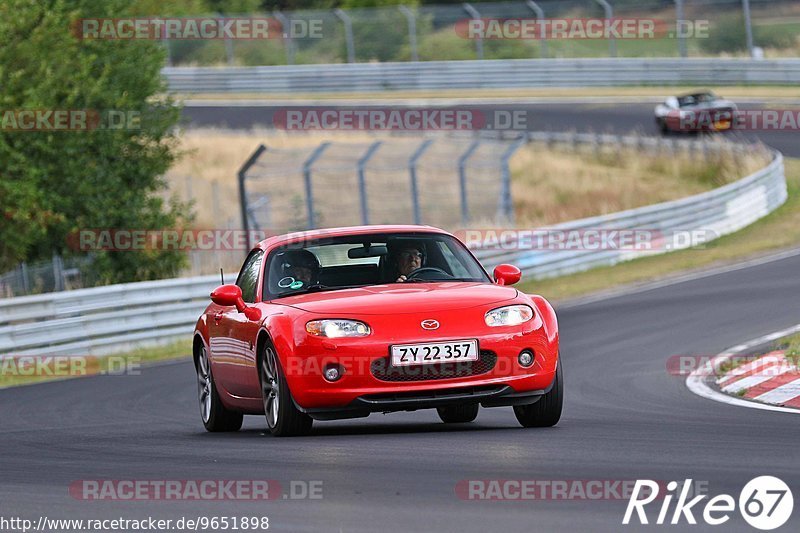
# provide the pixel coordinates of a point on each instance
(430, 324)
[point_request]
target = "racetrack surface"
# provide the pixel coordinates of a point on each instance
(625, 418)
(618, 118)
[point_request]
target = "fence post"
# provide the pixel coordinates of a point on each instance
(228, 46)
(26, 282)
(348, 34)
(362, 182)
(412, 31)
(288, 43)
(679, 28)
(612, 43)
(242, 175)
(748, 26)
(412, 172)
(462, 178)
(506, 205)
(474, 15)
(539, 15)
(316, 154)
(58, 273)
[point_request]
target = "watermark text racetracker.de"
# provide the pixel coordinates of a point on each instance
(195, 28)
(580, 28)
(374, 118)
(555, 489)
(69, 119)
(599, 238)
(63, 366)
(176, 490)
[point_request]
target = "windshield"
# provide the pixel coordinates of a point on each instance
(350, 261)
(694, 99)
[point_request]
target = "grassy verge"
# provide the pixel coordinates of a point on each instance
(780, 229)
(545, 92)
(25, 371)
(792, 347)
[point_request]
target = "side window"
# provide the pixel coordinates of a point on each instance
(248, 276)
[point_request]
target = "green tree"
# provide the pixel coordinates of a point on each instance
(54, 183)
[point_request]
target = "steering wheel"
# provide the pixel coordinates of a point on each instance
(420, 273)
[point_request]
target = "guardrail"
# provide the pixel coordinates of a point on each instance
(116, 318)
(489, 74)
(103, 320)
(717, 212)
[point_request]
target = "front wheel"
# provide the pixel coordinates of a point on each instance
(216, 417)
(283, 418)
(458, 414)
(547, 411)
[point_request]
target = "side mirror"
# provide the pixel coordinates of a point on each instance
(228, 295)
(506, 274)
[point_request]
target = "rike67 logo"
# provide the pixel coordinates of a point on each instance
(765, 503)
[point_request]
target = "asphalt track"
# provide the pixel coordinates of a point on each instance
(625, 418)
(619, 118)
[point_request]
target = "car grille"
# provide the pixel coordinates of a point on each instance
(383, 370)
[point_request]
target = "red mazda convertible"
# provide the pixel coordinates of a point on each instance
(341, 323)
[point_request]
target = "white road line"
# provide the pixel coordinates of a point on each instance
(782, 394)
(696, 381)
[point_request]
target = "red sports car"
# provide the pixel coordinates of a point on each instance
(340, 323)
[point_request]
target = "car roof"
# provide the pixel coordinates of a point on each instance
(279, 240)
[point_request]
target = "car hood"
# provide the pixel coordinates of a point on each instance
(400, 298)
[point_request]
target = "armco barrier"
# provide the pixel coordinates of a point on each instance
(114, 318)
(719, 212)
(489, 74)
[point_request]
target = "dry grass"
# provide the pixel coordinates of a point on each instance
(554, 185)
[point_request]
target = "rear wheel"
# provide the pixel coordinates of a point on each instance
(458, 414)
(547, 411)
(283, 418)
(216, 417)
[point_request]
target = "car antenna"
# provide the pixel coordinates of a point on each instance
(221, 277)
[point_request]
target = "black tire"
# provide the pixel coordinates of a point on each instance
(215, 416)
(283, 417)
(458, 414)
(662, 126)
(547, 411)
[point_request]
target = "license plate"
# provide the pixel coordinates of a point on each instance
(434, 352)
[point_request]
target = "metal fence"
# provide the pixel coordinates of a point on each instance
(114, 318)
(429, 32)
(497, 74)
(439, 181)
(58, 274)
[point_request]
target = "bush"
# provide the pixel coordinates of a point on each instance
(55, 183)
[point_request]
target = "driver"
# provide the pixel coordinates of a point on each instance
(408, 259)
(301, 265)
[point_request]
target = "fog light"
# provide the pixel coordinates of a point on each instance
(526, 358)
(332, 373)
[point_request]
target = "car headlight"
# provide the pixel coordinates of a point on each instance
(511, 315)
(332, 328)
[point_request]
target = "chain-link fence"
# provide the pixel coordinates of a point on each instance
(435, 32)
(439, 181)
(58, 274)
